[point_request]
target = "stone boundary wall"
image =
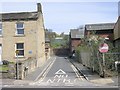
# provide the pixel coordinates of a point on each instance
(24, 68)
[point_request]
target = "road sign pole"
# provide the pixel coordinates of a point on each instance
(103, 48)
(17, 68)
(17, 64)
(103, 65)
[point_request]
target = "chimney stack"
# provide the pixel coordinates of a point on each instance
(39, 7)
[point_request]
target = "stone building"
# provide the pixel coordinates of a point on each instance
(22, 39)
(47, 48)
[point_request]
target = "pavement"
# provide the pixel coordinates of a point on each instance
(33, 76)
(94, 77)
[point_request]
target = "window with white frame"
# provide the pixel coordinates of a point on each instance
(20, 28)
(20, 49)
(0, 28)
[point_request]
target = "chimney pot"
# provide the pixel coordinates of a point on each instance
(39, 7)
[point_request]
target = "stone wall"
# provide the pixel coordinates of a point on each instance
(11, 73)
(26, 67)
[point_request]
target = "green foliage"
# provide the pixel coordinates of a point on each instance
(50, 34)
(4, 68)
(60, 43)
(56, 45)
(92, 45)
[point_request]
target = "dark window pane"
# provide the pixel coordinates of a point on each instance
(20, 31)
(0, 31)
(19, 25)
(0, 26)
(20, 46)
(21, 53)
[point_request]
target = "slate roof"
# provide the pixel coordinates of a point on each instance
(47, 40)
(76, 33)
(19, 16)
(103, 26)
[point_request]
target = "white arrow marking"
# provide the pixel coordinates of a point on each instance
(60, 71)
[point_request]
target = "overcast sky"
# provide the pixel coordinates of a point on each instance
(63, 16)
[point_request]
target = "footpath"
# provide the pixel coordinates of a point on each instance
(94, 77)
(33, 76)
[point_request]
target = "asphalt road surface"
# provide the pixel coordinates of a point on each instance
(62, 73)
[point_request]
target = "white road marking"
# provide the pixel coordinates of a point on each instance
(44, 75)
(85, 76)
(60, 71)
(42, 72)
(66, 81)
(60, 76)
(76, 72)
(58, 80)
(49, 81)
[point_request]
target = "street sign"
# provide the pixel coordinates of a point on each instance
(103, 48)
(17, 51)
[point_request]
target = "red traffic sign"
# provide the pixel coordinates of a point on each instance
(103, 48)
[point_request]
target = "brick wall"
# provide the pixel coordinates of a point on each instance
(75, 44)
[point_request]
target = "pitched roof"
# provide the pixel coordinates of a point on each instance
(76, 33)
(47, 40)
(103, 26)
(19, 16)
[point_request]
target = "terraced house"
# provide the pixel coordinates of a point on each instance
(22, 39)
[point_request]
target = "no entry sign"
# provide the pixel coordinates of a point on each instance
(103, 48)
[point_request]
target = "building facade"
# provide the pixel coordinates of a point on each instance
(97, 31)
(47, 48)
(117, 34)
(22, 37)
(75, 38)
